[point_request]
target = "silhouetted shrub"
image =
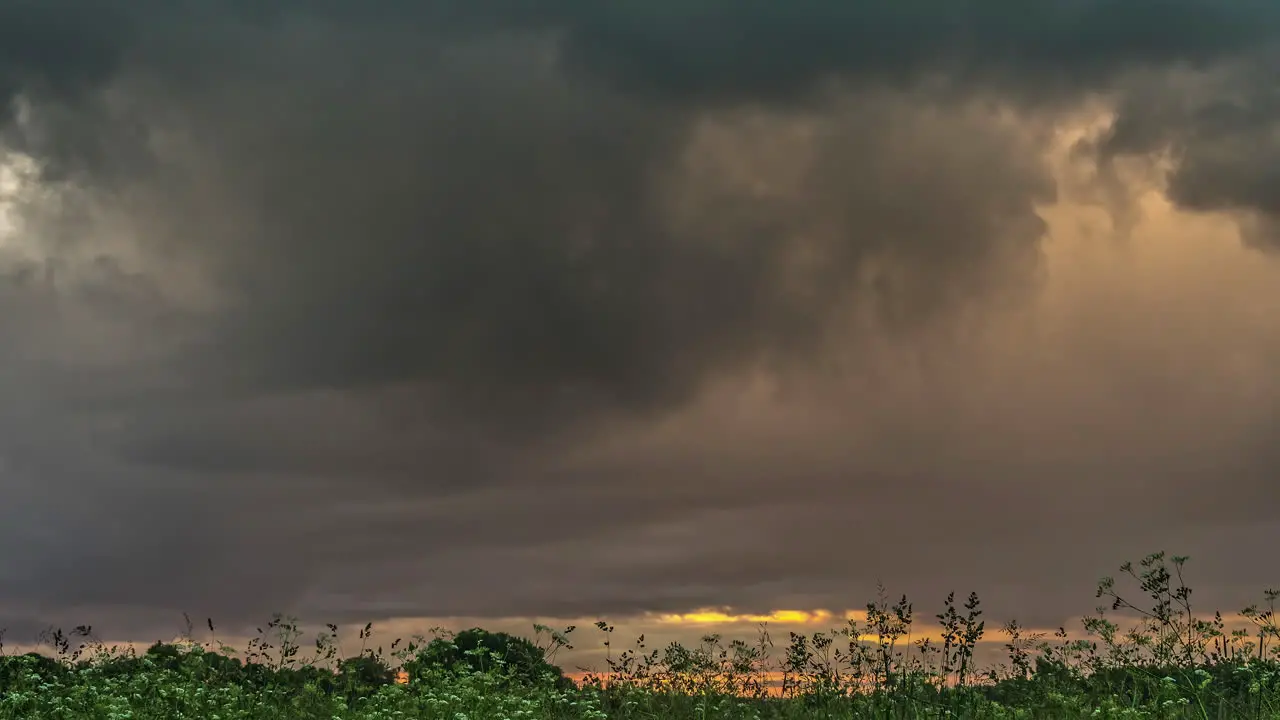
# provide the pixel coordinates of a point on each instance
(478, 651)
(361, 676)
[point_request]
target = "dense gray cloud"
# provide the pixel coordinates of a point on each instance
(455, 308)
(1221, 127)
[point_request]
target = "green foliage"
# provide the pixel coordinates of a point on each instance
(1175, 664)
(511, 658)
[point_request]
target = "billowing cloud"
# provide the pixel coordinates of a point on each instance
(489, 311)
(1218, 127)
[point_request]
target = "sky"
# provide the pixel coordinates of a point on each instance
(428, 312)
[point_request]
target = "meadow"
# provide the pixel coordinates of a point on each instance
(1158, 657)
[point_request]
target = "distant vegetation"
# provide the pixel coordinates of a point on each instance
(1175, 664)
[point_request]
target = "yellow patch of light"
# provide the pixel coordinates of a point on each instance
(781, 617)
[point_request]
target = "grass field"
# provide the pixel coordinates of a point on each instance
(1172, 662)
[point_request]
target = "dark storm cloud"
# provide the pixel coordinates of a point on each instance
(1221, 127)
(724, 49)
(356, 306)
(61, 48)
(705, 46)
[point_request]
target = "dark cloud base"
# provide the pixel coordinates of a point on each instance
(306, 284)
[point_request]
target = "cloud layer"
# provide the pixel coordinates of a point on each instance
(499, 312)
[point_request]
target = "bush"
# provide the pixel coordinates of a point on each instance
(480, 651)
(362, 676)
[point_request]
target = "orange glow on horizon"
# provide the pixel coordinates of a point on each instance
(709, 616)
